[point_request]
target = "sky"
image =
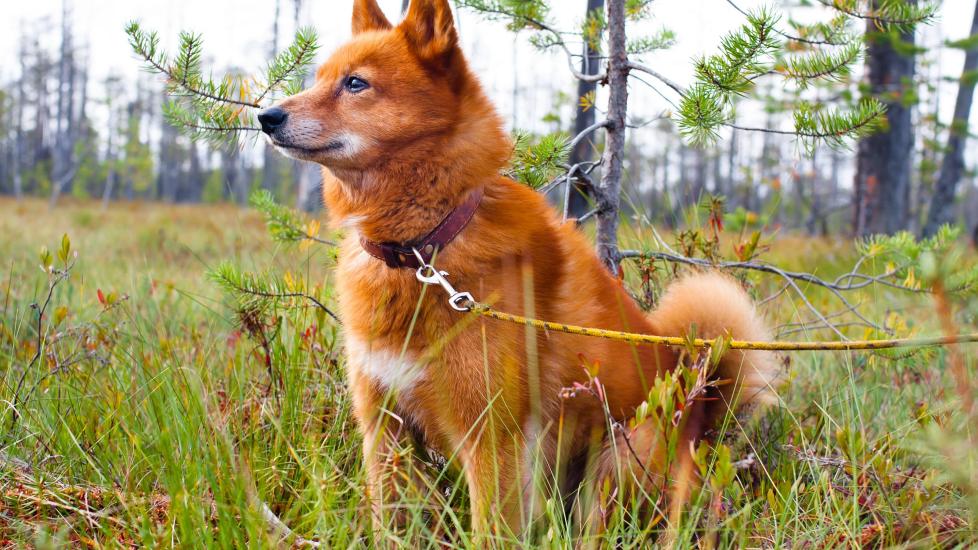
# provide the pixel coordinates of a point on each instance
(238, 33)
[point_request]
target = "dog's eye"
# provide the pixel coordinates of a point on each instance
(355, 84)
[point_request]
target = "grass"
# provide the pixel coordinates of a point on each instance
(153, 419)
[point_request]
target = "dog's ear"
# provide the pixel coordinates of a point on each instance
(367, 16)
(430, 28)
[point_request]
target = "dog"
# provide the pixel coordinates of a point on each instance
(413, 154)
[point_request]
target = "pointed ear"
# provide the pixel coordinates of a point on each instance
(367, 16)
(430, 28)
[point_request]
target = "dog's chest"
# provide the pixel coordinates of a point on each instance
(391, 369)
(379, 307)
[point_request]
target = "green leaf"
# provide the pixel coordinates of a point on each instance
(45, 257)
(65, 248)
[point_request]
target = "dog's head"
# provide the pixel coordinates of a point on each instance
(388, 89)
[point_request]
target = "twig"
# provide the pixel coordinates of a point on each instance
(283, 530)
(796, 275)
(812, 135)
(631, 450)
(588, 215)
(299, 59)
(636, 66)
(284, 295)
(587, 131)
(558, 40)
(186, 85)
(201, 128)
(58, 277)
(789, 277)
(788, 36)
(870, 17)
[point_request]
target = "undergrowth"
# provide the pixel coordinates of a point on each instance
(161, 411)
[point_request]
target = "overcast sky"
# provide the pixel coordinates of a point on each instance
(238, 32)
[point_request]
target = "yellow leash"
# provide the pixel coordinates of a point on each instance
(463, 301)
(636, 338)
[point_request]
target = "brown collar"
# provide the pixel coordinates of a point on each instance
(398, 255)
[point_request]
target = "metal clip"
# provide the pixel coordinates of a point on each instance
(427, 274)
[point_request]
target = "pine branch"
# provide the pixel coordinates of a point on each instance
(537, 161)
(254, 291)
(283, 223)
(291, 64)
(890, 14)
(820, 65)
(742, 57)
(530, 14)
(817, 124)
(219, 126)
(218, 111)
(794, 38)
(146, 47)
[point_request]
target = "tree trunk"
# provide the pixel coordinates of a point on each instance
(62, 170)
(666, 174)
(609, 190)
(731, 183)
(110, 178)
(717, 188)
(952, 166)
(577, 204)
(195, 177)
(699, 183)
(307, 175)
(19, 127)
(681, 190)
(882, 185)
(815, 207)
(169, 174)
(270, 160)
(832, 198)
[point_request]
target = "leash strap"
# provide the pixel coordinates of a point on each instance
(464, 302)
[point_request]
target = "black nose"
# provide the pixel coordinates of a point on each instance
(271, 119)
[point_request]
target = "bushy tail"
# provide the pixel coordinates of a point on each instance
(716, 306)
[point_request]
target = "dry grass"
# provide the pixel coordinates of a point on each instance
(154, 422)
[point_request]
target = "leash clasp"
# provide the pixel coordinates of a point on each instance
(427, 274)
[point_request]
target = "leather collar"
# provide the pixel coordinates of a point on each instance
(401, 255)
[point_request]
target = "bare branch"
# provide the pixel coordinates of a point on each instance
(636, 66)
(792, 278)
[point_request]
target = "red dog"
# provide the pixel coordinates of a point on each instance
(412, 152)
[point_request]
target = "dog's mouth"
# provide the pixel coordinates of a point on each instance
(307, 151)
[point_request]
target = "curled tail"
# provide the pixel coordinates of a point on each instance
(715, 305)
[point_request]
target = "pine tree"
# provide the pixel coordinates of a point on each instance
(882, 201)
(761, 49)
(952, 166)
(577, 203)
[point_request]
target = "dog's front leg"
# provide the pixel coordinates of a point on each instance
(493, 473)
(387, 456)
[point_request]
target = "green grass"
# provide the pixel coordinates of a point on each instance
(154, 421)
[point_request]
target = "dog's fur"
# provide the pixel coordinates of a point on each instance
(398, 157)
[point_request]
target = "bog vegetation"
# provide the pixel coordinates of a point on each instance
(148, 407)
(173, 375)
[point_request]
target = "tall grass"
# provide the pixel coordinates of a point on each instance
(155, 418)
